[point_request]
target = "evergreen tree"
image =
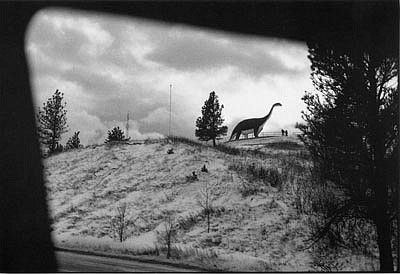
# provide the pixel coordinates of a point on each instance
(209, 125)
(352, 132)
(52, 121)
(73, 142)
(116, 134)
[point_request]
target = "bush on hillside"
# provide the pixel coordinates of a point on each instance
(258, 176)
(116, 135)
(192, 178)
(73, 142)
(59, 148)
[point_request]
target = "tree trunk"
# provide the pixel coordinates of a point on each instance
(214, 144)
(382, 218)
(384, 243)
(380, 186)
(398, 226)
(168, 248)
(208, 222)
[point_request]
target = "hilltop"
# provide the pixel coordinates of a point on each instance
(255, 225)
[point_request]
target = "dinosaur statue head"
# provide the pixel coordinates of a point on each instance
(277, 105)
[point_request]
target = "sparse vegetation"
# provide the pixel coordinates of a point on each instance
(262, 225)
(258, 177)
(119, 223)
(168, 235)
(285, 145)
(205, 199)
(183, 140)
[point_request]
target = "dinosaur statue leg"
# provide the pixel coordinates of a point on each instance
(238, 135)
(255, 132)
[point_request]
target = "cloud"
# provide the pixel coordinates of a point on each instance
(196, 51)
(92, 129)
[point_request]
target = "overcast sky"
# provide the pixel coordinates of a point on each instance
(107, 66)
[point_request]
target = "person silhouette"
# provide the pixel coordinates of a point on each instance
(283, 132)
(286, 132)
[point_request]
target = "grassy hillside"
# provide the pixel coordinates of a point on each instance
(255, 224)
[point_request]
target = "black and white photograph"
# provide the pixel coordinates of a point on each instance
(200, 136)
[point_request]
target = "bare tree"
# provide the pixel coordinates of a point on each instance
(119, 224)
(205, 199)
(168, 236)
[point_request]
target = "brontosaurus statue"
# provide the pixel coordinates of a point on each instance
(252, 125)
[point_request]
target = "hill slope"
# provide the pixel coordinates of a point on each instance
(85, 187)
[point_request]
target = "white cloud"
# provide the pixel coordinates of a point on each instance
(92, 129)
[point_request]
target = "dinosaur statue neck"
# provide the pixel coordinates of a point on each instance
(266, 117)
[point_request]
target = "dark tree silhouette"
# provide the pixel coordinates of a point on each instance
(351, 130)
(116, 134)
(73, 142)
(209, 125)
(52, 121)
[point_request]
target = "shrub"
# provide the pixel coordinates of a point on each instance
(59, 148)
(187, 222)
(256, 174)
(73, 142)
(116, 135)
(192, 178)
(249, 188)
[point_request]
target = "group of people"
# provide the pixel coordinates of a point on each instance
(284, 132)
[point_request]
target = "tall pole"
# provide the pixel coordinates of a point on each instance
(170, 92)
(398, 209)
(127, 125)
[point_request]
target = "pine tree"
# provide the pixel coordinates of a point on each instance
(73, 142)
(209, 124)
(116, 134)
(52, 121)
(352, 131)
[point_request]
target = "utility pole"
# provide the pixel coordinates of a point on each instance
(169, 127)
